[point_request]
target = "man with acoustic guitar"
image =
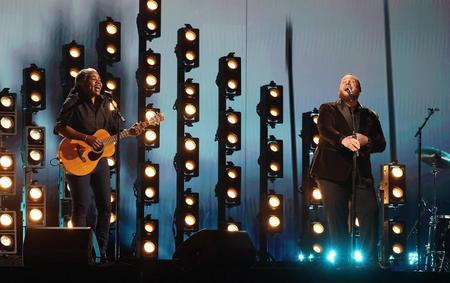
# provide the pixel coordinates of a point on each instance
(83, 114)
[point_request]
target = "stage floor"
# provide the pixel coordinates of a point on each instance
(12, 270)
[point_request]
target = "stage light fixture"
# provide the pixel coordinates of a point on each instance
(8, 113)
(274, 216)
(191, 211)
(35, 147)
(393, 183)
(229, 77)
(274, 149)
(151, 136)
(190, 102)
(190, 156)
(72, 63)
(149, 72)
(271, 105)
(35, 201)
(149, 19)
(108, 42)
(233, 226)
(188, 47)
(395, 239)
(8, 232)
(7, 173)
(150, 237)
(33, 88)
(232, 131)
(150, 182)
(232, 184)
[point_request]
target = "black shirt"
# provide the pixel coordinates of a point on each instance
(86, 117)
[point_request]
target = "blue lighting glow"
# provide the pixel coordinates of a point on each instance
(357, 256)
(413, 258)
(331, 257)
(301, 257)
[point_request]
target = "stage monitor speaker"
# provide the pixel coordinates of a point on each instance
(58, 245)
(213, 247)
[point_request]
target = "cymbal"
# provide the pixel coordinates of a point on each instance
(435, 157)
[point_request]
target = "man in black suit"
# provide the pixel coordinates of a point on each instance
(333, 163)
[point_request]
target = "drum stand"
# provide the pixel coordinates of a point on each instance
(432, 256)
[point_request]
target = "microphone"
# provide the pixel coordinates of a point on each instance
(350, 93)
(107, 92)
(433, 109)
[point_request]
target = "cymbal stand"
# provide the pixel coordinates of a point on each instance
(430, 259)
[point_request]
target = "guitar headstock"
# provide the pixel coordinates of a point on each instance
(155, 120)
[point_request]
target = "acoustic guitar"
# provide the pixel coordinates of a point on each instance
(78, 158)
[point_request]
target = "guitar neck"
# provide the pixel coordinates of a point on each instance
(113, 139)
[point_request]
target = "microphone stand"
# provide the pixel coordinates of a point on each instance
(119, 118)
(353, 202)
(419, 188)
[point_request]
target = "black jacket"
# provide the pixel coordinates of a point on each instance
(333, 161)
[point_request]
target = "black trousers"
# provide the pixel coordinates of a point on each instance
(336, 198)
(80, 186)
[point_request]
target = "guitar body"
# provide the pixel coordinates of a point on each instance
(78, 158)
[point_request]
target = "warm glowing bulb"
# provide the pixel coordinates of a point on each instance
(150, 135)
(111, 161)
(317, 248)
(274, 221)
(6, 240)
(232, 138)
(36, 155)
(151, 80)
(190, 55)
(35, 193)
(232, 173)
(190, 144)
(318, 228)
(231, 227)
(274, 92)
(151, 60)
(232, 84)
(5, 182)
(6, 161)
(113, 198)
(35, 134)
(112, 219)
(274, 146)
(152, 5)
(149, 247)
(232, 118)
(149, 227)
(232, 63)
(6, 220)
(35, 76)
(189, 89)
(36, 96)
(111, 49)
(397, 172)
(315, 119)
(150, 171)
(189, 200)
(151, 25)
(6, 123)
(274, 201)
(190, 35)
(317, 194)
(69, 224)
(316, 139)
(274, 111)
(232, 193)
(190, 220)
(75, 52)
(397, 228)
(149, 114)
(150, 192)
(397, 248)
(6, 101)
(274, 166)
(111, 84)
(190, 110)
(190, 165)
(397, 192)
(111, 28)
(36, 214)
(73, 73)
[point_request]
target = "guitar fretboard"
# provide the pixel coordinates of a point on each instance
(125, 133)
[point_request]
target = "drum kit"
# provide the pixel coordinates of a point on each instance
(437, 256)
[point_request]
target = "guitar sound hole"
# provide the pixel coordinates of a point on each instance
(94, 155)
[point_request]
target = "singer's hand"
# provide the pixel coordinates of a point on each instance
(351, 143)
(363, 140)
(136, 130)
(95, 143)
